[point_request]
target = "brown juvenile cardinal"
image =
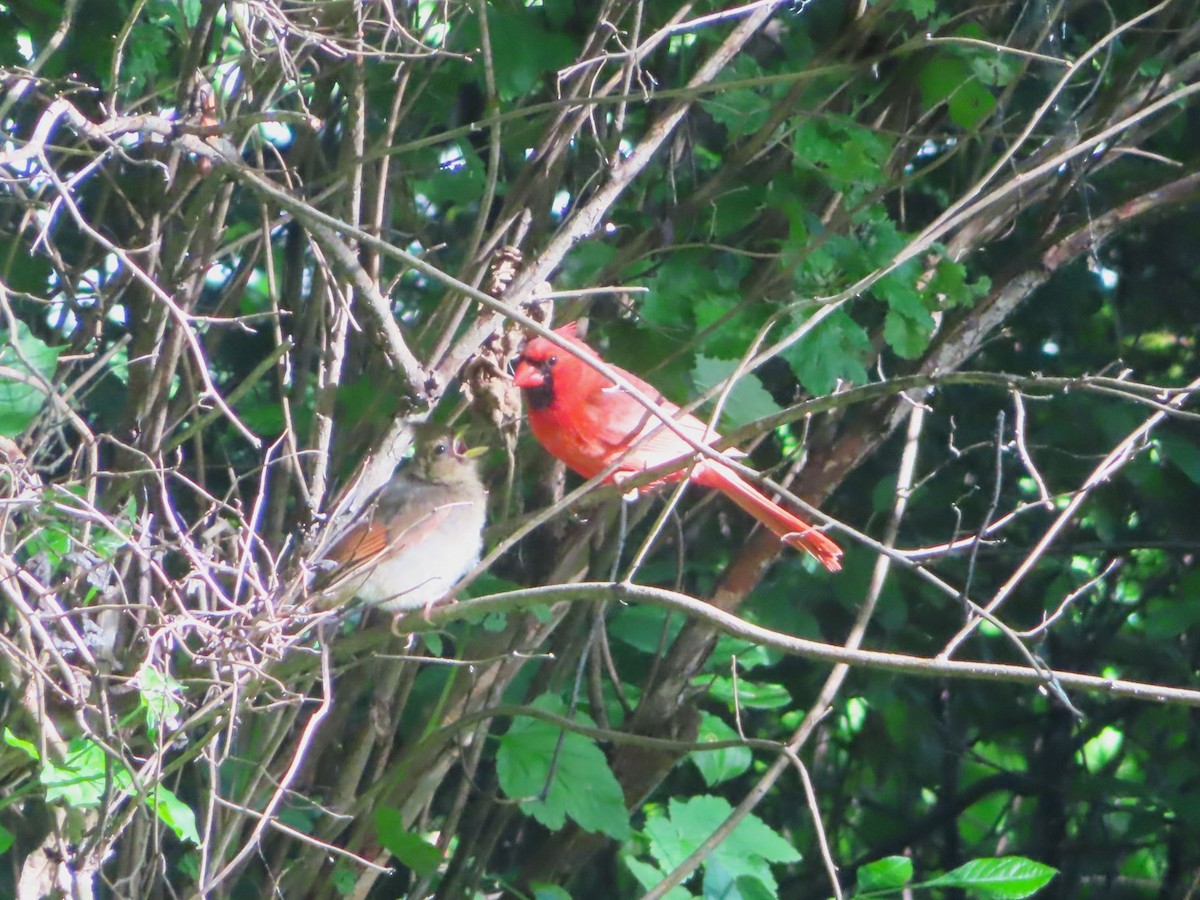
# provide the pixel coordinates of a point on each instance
(588, 422)
(418, 535)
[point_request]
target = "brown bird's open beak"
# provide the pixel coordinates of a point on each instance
(461, 448)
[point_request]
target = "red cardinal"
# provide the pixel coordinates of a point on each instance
(588, 422)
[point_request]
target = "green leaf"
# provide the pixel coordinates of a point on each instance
(541, 51)
(742, 110)
(682, 277)
(29, 748)
(159, 698)
(841, 151)
(189, 864)
(749, 656)
(746, 402)
(750, 694)
(746, 852)
(949, 78)
(648, 876)
(146, 54)
(24, 271)
(1183, 454)
(495, 622)
(487, 584)
(949, 286)
(82, 780)
(993, 69)
(736, 208)
(30, 359)
(549, 892)
(460, 182)
(433, 641)
(537, 758)
(833, 350)
(884, 874)
(410, 848)
(719, 765)
(920, 9)
(345, 879)
(642, 627)
(1170, 617)
(971, 105)
(6, 839)
(89, 773)
(261, 412)
(747, 887)
(1005, 878)
(909, 324)
(175, 814)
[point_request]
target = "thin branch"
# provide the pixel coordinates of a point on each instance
(832, 653)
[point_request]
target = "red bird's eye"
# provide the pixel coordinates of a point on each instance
(552, 360)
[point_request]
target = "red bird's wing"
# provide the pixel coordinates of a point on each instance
(621, 422)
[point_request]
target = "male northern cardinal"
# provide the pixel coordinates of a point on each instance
(588, 422)
(418, 535)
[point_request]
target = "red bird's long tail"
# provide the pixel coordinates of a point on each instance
(792, 530)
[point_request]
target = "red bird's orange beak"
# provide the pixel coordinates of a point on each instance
(527, 376)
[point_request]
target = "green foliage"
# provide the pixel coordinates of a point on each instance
(555, 775)
(410, 848)
(26, 747)
(85, 776)
(951, 79)
(743, 859)
(160, 698)
(833, 350)
(842, 152)
(88, 777)
(544, 50)
(1007, 878)
(25, 363)
(753, 694)
(747, 400)
(196, 375)
(716, 766)
(742, 110)
(883, 875)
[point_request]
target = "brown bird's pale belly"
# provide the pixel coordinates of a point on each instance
(423, 574)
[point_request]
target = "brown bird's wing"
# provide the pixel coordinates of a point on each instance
(361, 543)
(389, 531)
(399, 519)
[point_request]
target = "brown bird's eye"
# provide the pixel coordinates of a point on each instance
(439, 450)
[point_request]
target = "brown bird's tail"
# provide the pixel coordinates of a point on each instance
(792, 530)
